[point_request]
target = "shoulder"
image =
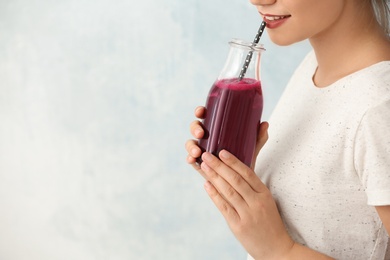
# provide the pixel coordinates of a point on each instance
(371, 86)
(377, 74)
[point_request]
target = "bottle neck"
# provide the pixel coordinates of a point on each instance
(243, 61)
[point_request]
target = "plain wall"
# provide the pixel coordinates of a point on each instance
(96, 98)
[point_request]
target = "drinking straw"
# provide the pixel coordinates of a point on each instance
(249, 56)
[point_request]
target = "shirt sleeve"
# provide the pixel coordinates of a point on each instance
(372, 154)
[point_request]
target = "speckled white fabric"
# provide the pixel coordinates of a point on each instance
(327, 161)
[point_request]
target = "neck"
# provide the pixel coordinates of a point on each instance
(356, 44)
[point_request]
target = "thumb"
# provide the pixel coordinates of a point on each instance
(262, 136)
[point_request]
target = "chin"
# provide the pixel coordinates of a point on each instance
(283, 40)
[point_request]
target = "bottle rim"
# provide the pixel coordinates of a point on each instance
(250, 46)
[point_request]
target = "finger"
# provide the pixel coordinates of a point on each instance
(229, 183)
(228, 212)
(193, 162)
(193, 149)
(200, 112)
(232, 177)
(261, 139)
(262, 136)
(194, 153)
(196, 129)
(246, 173)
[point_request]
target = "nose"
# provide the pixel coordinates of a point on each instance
(263, 2)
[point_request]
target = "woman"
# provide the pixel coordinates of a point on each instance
(323, 184)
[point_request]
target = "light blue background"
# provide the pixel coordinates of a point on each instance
(96, 97)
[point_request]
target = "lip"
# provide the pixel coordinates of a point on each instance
(274, 21)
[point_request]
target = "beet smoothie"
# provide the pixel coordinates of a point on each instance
(233, 114)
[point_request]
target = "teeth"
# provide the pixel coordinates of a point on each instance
(274, 18)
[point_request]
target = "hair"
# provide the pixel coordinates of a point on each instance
(382, 12)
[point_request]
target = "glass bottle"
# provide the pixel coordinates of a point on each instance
(235, 103)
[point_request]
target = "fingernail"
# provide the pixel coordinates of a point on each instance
(224, 154)
(207, 185)
(198, 132)
(204, 166)
(206, 157)
(194, 151)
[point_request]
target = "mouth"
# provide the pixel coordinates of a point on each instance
(274, 21)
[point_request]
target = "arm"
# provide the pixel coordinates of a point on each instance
(384, 214)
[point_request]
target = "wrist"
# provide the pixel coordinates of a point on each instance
(300, 252)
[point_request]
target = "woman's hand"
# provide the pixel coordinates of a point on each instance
(245, 202)
(196, 130)
(247, 205)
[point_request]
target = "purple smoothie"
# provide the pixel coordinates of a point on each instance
(234, 110)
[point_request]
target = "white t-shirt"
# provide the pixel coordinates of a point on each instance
(327, 161)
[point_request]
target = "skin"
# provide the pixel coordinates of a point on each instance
(333, 27)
